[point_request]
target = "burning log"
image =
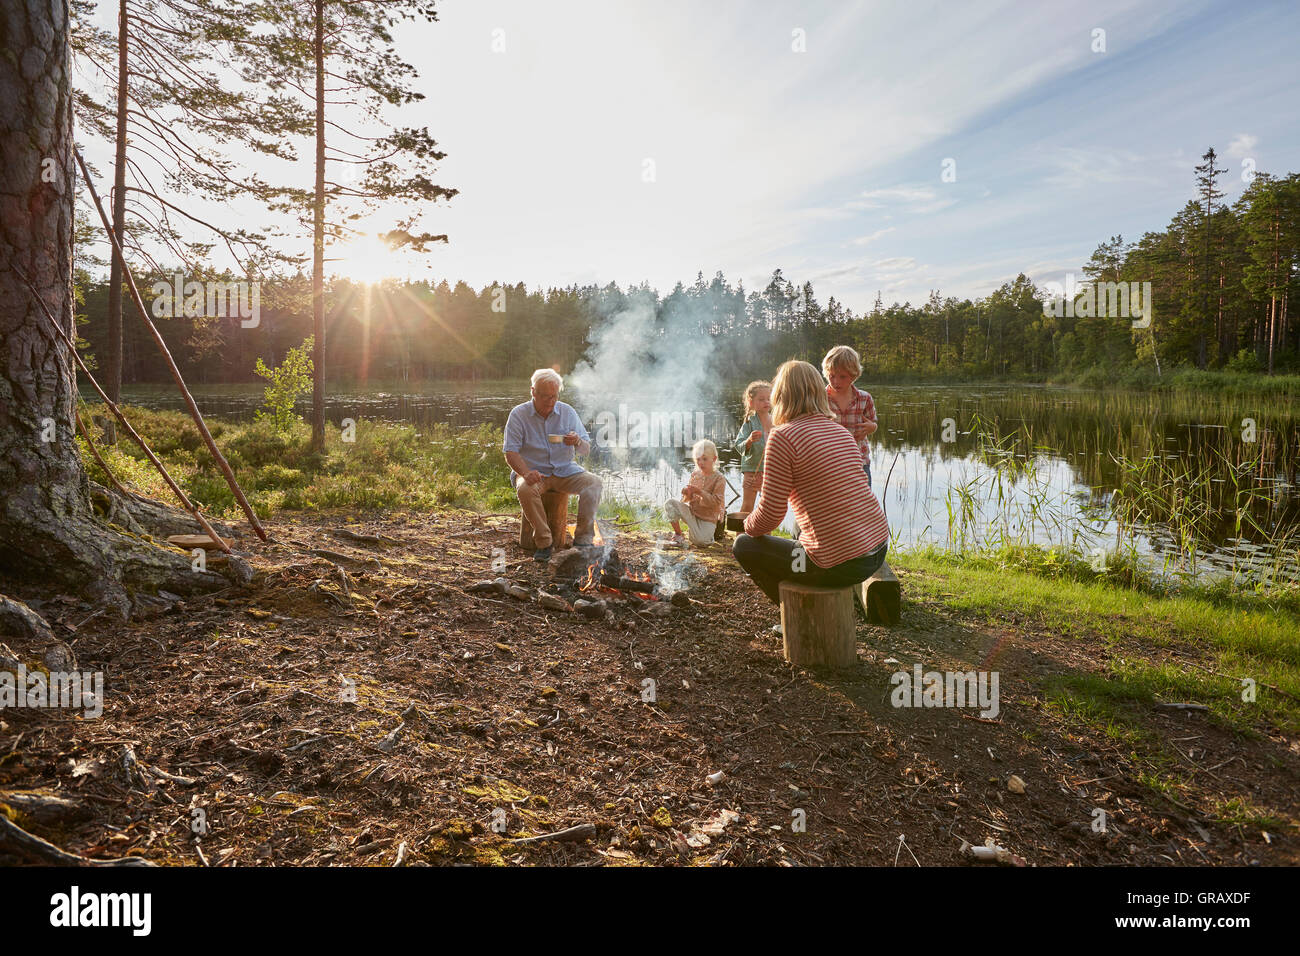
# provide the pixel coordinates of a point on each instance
(624, 583)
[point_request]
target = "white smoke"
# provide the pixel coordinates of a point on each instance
(652, 362)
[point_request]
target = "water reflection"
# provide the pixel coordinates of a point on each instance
(958, 466)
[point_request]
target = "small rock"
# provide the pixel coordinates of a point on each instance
(593, 609)
(518, 593)
(552, 602)
(1015, 784)
(681, 599)
(569, 564)
(8, 659)
(716, 778)
(59, 657)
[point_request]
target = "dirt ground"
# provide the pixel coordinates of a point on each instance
(387, 717)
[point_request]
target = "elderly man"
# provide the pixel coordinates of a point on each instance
(542, 438)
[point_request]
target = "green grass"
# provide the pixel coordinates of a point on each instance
(1221, 382)
(1236, 634)
(387, 466)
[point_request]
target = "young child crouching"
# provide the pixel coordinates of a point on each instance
(702, 501)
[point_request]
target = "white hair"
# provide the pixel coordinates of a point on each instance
(548, 375)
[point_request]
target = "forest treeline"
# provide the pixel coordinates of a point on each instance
(1221, 285)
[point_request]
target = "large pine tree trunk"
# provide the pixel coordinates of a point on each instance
(50, 536)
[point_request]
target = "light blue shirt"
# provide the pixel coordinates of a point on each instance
(526, 433)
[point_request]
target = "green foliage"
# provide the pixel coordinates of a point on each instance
(386, 467)
(289, 380)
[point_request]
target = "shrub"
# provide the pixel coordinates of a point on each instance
(290, 379)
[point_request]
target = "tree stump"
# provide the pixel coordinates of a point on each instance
(556, 504)
(819, 625)
(882, 597)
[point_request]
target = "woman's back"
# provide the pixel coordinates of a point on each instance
(816, 463)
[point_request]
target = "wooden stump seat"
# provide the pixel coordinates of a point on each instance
(818, 625)
(556, 504)
(882, 597)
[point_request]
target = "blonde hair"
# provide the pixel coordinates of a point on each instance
(842, 357)
(702, 446)
(752, 389)
(797, 391)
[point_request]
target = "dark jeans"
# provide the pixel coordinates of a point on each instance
(769, 561)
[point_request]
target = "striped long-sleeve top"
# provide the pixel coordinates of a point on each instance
(817, 466)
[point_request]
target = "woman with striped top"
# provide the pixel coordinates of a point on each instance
(815, 465)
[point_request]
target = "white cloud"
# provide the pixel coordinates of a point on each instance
(864, 240)
(1242, 146)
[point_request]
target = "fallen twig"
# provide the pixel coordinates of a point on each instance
(582, 831)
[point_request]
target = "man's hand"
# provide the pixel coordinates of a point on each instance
(533, 477)
(572, 438)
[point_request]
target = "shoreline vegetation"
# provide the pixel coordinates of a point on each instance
(1180, 379)
(388, 466)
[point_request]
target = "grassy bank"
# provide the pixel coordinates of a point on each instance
(1220, 383)
(385, 466)
(1114, 653)
(1238, 635)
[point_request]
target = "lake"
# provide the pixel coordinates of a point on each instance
(1207, 483)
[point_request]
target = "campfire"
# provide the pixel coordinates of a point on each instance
(601, 570)
(606, 573)
(596, 580)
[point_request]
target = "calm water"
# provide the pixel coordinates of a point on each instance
(964, 465)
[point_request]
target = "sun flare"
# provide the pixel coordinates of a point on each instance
(365, 258)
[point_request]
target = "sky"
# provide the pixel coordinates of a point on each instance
(866, 147)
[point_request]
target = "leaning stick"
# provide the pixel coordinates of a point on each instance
(112, 407)
(167, 355)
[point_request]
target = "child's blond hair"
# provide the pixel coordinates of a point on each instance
(752, 389)
(702, 446)
(844, 358)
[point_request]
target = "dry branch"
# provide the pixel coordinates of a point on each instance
(171, 363)
(40, 849)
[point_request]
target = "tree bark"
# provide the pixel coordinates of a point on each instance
(50, 535)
